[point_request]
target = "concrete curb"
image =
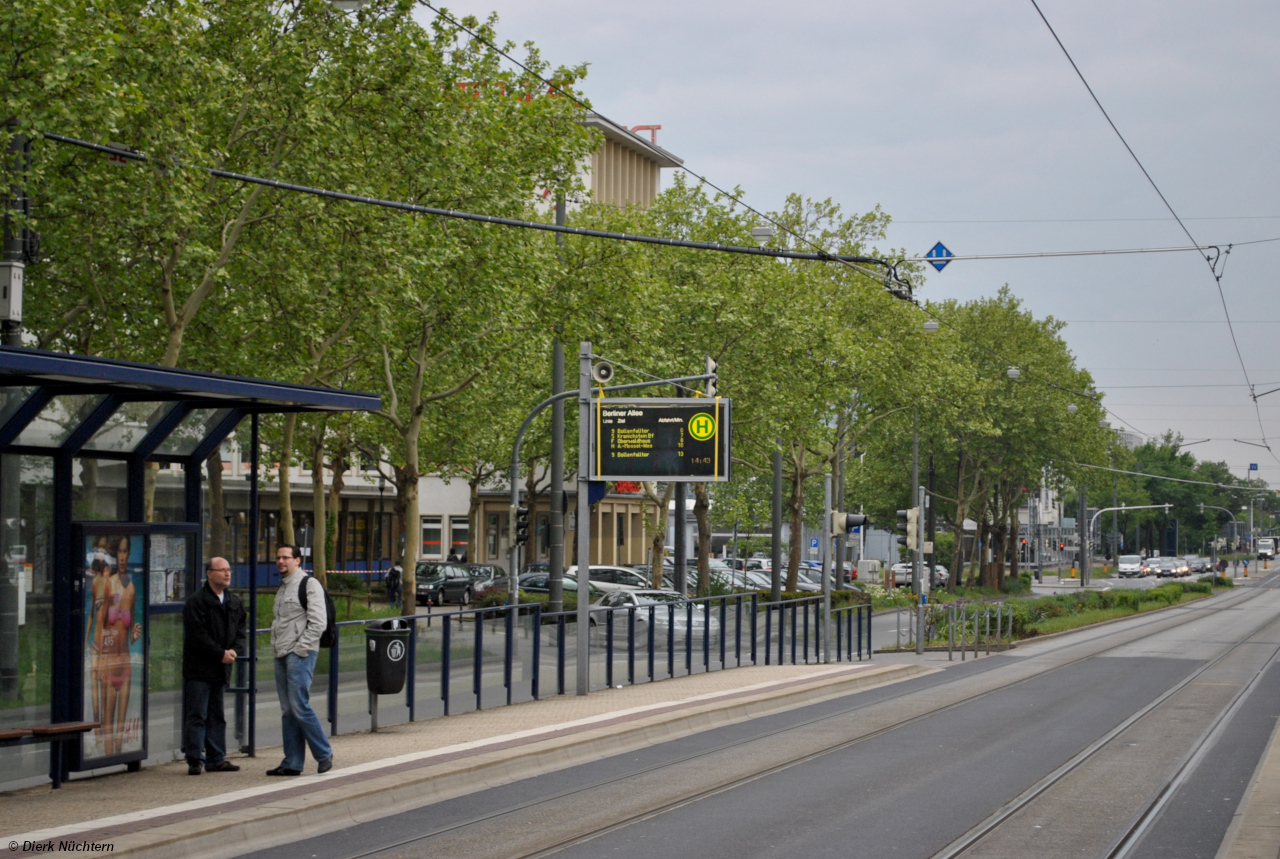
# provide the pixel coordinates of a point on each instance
(269, 821)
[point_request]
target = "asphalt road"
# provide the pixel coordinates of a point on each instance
(907, 769)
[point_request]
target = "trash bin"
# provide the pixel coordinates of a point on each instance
(386, 655)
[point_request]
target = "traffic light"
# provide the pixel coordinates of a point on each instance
(522, 525)
(909, 528)
(714, 381)
(844, 523)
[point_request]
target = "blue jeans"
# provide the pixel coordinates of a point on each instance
(298, 722)
(204, 728)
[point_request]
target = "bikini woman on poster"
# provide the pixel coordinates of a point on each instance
(100, 572)
(121, 631)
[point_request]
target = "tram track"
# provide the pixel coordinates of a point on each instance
(1128, 839)
(1128, 634)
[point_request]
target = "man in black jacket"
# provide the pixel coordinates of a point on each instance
(213, 624)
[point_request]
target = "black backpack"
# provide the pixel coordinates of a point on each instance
(329, 637)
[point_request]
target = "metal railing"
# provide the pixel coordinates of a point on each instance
(957, 619)
(628, 644)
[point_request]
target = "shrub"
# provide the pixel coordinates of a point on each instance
(1197, 588)
(1018, 585)
(347, 583)
(1218, 582)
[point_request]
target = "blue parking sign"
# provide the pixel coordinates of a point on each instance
(813, 542)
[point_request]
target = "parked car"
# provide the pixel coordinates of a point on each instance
(732, 580)
(438, 583)
(540, 583)
(662, 616)
(608, 578)
(1129, 566)
(487, 577)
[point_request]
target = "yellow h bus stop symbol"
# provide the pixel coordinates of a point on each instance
(702, 426)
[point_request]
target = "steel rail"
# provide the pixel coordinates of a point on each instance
(1136, 828)
(795, 726)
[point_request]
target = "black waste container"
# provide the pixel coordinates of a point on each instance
(386, 655)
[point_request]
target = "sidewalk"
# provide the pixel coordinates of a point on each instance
(162, 811)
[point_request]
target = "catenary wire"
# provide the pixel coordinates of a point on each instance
(1217, 277)
(818, 256)
(1173, 479)
(701, 178)
(1046, 254)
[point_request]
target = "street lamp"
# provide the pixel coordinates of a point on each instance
(1072, 408)
(1014, 374)
(762, 234)
(931, 326)
(347, 5)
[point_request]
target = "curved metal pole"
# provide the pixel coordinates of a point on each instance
(513, 590)
(513, 574)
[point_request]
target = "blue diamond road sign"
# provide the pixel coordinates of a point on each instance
(939, 256)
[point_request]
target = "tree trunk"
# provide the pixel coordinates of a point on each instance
(700, 507)
(217, 509)
(1016, 542)
(89, 486)
(407, 501)
(795, 512)
(150, 470)
(474, 537)
(319, 520)
(338, 464)
(285, 526)
(657, 530)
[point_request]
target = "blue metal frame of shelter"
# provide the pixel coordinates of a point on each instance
(49, 375)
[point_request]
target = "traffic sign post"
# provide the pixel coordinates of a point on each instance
(664, 439)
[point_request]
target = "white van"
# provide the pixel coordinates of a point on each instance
(1266, 547)
(1129, 565)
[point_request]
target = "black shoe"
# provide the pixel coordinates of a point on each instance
(283, 770)
(224, 767)
(325, 766)
(194, 769)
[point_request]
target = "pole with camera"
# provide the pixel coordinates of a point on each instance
(601, 373)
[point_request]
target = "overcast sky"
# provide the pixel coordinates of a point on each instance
(966, 123)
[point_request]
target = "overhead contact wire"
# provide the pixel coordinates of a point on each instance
(1211, 262)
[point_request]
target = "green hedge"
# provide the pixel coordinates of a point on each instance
(1217, 582)
(1027, 613)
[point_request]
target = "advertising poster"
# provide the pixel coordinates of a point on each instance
(115, 610)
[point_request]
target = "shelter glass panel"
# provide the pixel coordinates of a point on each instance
(127, 427)
(58, 420)
(194, 428)
(26, 607)
(99, 489)
(11, 399)
(168, 497)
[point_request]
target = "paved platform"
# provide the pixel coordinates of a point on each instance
(162, 811)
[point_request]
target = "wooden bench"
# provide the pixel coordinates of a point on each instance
(56, 735)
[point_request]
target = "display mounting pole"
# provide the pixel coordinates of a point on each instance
(584, 519)
(827, 553)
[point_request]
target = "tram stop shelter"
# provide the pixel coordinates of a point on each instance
(103, 527)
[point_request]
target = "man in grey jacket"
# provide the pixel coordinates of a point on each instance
(295, 640)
